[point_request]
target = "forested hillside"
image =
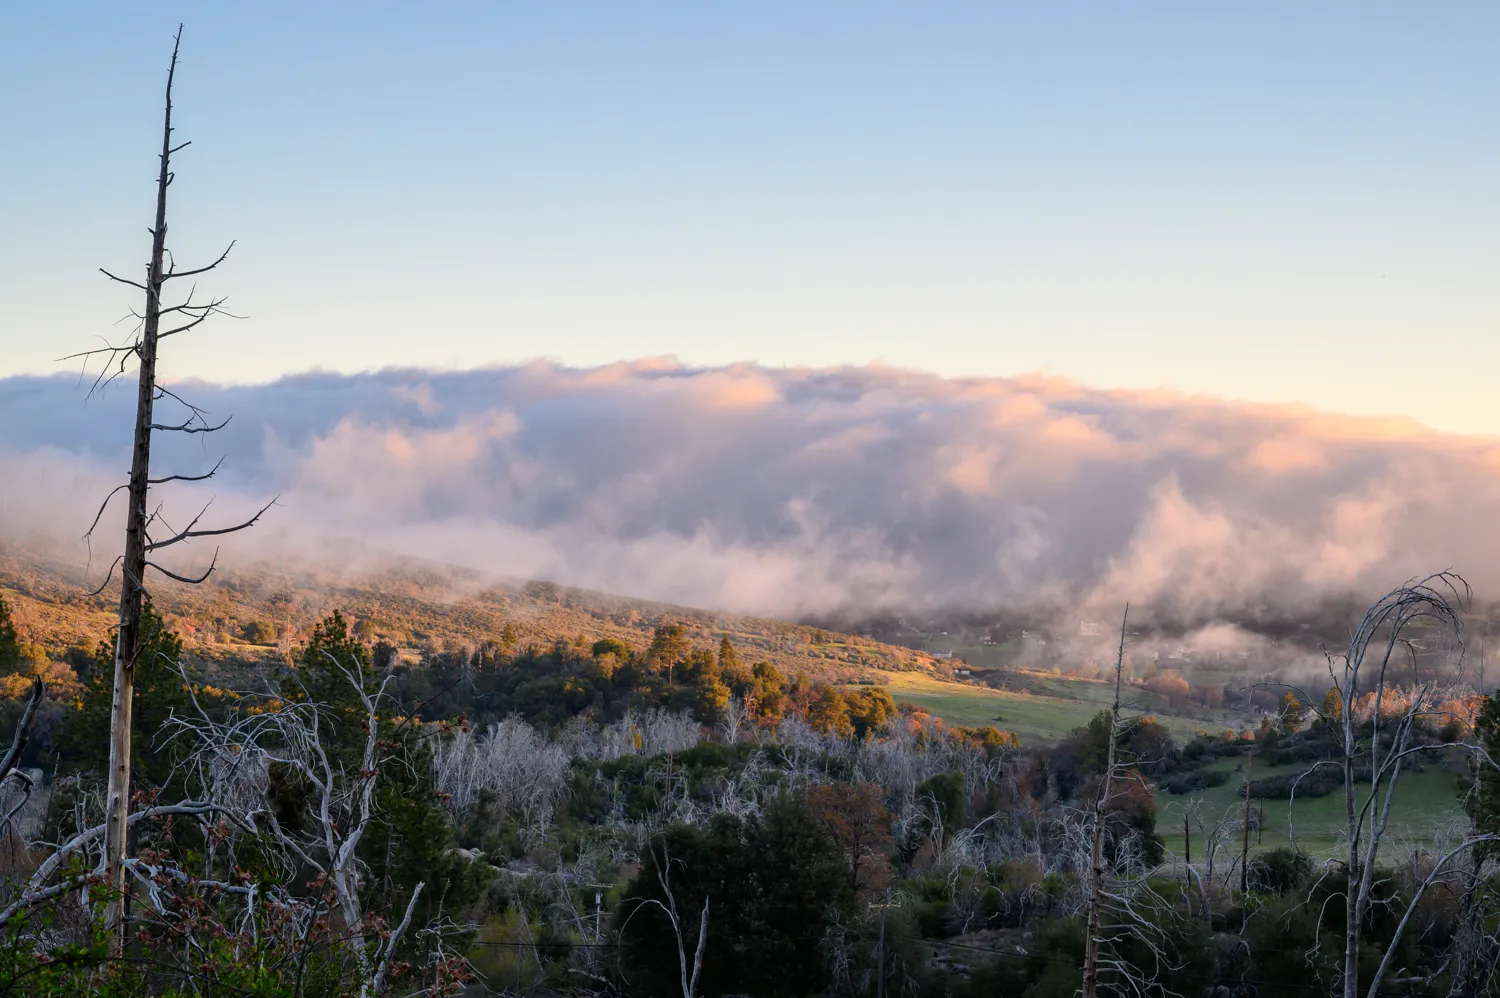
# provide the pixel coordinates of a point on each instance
(418, 608)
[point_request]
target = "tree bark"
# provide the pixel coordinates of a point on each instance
(132, 588)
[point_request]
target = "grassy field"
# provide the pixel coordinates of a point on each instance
(1423, 799)
(1033, 717)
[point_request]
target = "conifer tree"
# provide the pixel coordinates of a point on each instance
(10, 644)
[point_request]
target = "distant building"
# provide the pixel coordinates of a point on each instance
(1089, 628)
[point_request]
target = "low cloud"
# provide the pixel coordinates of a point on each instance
(795, 492)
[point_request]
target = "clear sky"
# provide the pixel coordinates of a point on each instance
(1270, 201)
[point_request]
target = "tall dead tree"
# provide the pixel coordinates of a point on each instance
(1245, 824)
(1096, 838)
(1378, 719)
(1436, 601)
(140, 544)
(1128, 946)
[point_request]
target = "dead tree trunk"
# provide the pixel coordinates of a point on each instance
(139, 518)
(1390, 740)
(1096, 845)
(133, 567)
(1245, 826)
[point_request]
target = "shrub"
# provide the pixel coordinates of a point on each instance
(1280, 871)
(260, 632)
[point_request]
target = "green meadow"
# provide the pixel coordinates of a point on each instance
(1032, 716)
(1424, 798)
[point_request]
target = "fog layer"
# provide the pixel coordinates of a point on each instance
(789, 492)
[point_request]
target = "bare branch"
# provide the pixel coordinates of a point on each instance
(23, 729)
(133, 284)
(107, 576)
(99, 515)
(98, 350)
(50, 865)
(165, 392)
(388, 950)
(188, 426)
(187, 478)
(1416, 899)
(188, 532)
(185, 326)
(182, 578)
(32, 896)
(198, 270)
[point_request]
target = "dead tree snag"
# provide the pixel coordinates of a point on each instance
(140, 545)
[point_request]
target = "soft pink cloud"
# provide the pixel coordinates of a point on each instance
(801, 490)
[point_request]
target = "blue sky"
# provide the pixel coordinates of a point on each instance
(1281, 202)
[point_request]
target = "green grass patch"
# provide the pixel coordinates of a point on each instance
(1423, 800)
(1033, 717)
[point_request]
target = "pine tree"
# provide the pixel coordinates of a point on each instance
(159, 692)
(10, 644)
(669, 646)
(729, 660)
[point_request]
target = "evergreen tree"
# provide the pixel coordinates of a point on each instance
(766, 690)
(729, 661)
(10, 644)
(159, 692)
(774, 883)
(700, 668)
(829, 713)
(331, 662)
(1292, 713)
(669, 646)
(1483, 804)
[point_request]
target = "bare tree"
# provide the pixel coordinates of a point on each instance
(524, 772)
(1378, 720)
(140, 544)
(1122, 908)
(735, 716)
(292, 736)
(229, 770)
(689, 974)
(1216, 861)
(10, 771)
(1476, 936)
(1096, 839)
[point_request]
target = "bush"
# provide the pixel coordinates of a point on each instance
(1195, 780)
(260, 632)
(1317, 783)
(1280, 871)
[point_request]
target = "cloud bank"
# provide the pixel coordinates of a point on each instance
(791, 492)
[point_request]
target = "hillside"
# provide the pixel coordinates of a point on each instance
(263, 612)
(260, 614)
